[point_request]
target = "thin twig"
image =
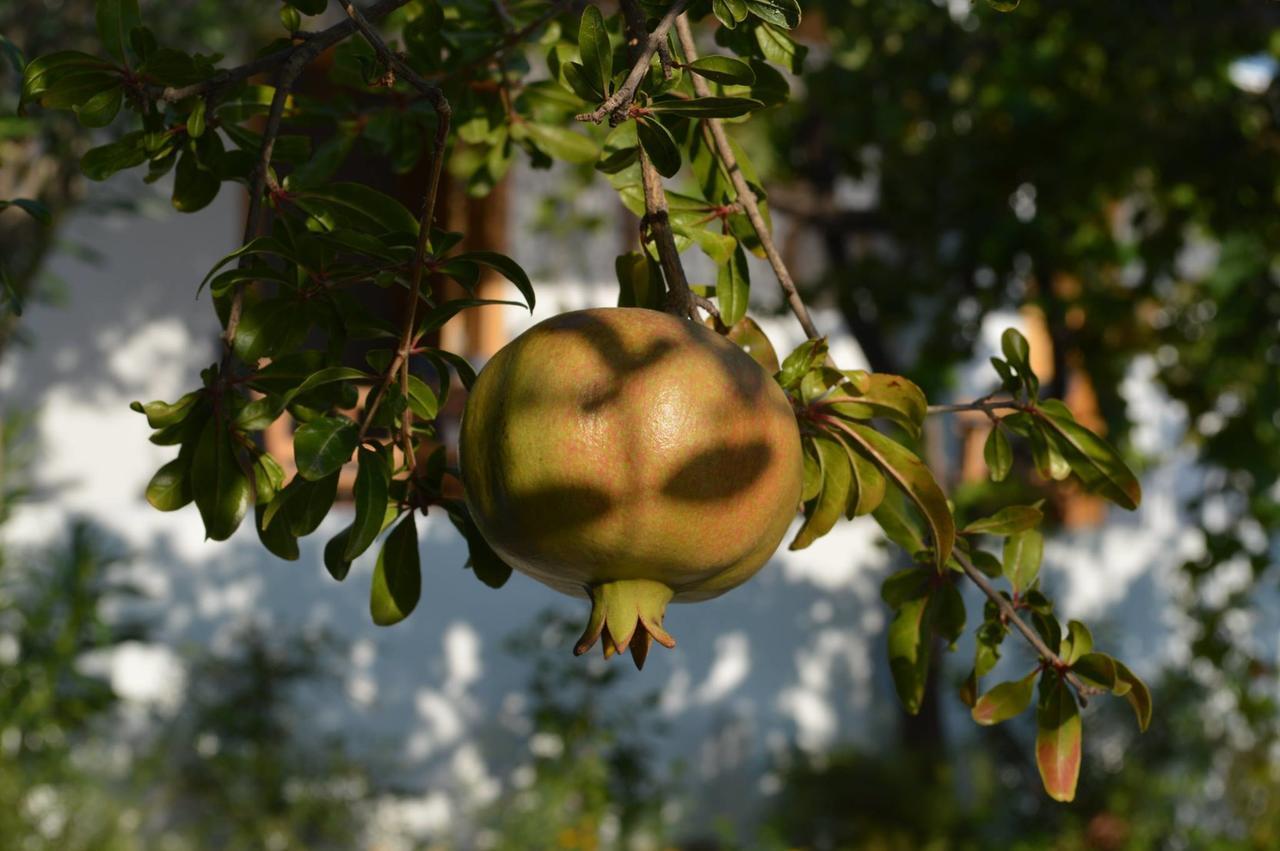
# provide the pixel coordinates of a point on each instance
(440, 104)
(978, 405)
(745, 195)
(1033, 638)
(615, 106)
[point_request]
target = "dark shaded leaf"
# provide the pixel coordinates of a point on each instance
(998, 454)
(116, 19)
(595, 50)
(708, 107)
(218, 485)
(724, 69)
(656, 141)
(323, 445)
(373, 480)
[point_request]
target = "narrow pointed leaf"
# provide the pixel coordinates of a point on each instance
(910, 474)
(834, 496)
(595, 50)
(218, 485)
(373, 480)
(733, 287)
(1098, 465)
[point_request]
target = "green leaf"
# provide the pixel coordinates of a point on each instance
(504, 266)
(708, 107)
(397, 578)
(1098, 465)
(895, 398)
(329, 375)
(656, 141)
(812, 484)
(310, 503)
(105, 160)
(733, 287)
(422, 399)
(358, 206)
(1003, 5)
(1005, 701)
(987, 563)
(116, 19)
(1017, 351)
(1097, 669)
(1079, 642)
(1022, 554)
(901, 525)
(780, 48)
(101, 109)
(806, 356)
(44, 71)
(563, 144)
(194, 186)
(161, 414)
(219, 486)
(595, 50)
(195, 119)
(783, 13)
(837, 475)
(276, 537)
(170, 488)
(639, 281)
(323, 445)
(1058, 738)
(909, 636)
(487, 565)
(730, 12)
(910, 474)
(373, 480)
(259, 245)
(1007, 521)
(268, 477)
(310, 7)
(1138, 695)
(868, 489)
(334, 562)
(724, 69)
(998, 454)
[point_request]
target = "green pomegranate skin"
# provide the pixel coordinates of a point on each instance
(617, 444)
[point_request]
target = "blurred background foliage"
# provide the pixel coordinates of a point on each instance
(1114, 165)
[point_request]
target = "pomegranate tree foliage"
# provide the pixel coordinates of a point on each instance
(621, 92)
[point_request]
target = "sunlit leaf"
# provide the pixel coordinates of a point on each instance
(1022, 554)
(1098, 465)
(1007, 521)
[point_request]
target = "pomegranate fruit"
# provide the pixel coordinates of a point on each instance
(632, 458)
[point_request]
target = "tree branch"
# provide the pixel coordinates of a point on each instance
(440, 104)
(745, 195)
(615, 106)
(313, 46)
(1010, 614)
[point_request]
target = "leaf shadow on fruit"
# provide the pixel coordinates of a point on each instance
(556, 508)
(719, 473)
